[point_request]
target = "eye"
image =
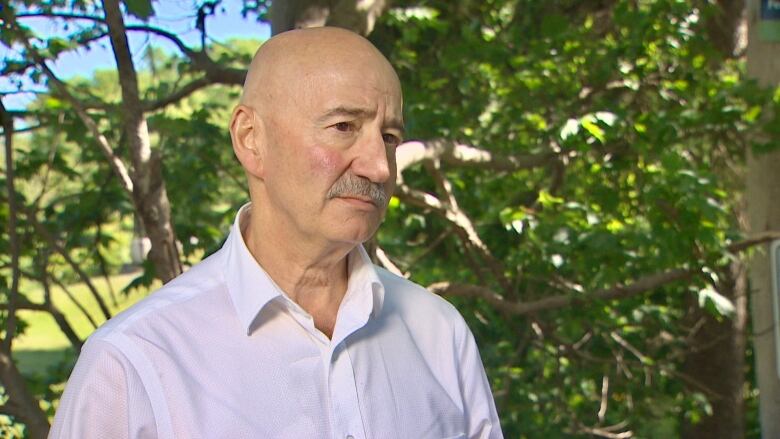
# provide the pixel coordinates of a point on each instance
(344, 126)
(391, 140)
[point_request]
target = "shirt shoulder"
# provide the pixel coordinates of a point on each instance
(418, 306)
(181, 298)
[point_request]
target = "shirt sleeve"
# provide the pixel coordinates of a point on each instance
(479, 407)
(104, 398)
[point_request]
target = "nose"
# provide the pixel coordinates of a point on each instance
(374, 160)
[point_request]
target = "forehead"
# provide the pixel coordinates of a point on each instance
(303, 71)
(350, 86)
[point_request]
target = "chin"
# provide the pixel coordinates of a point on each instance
(355, 230)
(354, 235)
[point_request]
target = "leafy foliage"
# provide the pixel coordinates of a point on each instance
(643, 126)
(639, 126)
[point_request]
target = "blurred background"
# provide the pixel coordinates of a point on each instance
(594, 184)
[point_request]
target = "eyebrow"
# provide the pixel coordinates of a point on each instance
(360, 113)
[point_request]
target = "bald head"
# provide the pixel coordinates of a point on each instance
(316, 131)
(292, 59)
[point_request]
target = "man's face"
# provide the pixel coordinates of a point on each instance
(330, 164)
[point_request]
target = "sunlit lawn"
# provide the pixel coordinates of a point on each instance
(43, 345)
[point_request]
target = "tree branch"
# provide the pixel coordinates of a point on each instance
(26, 129)
(605, 432)
(73, 299)
(463, 226)
(641, 285)
(16, 69)
(634, 288)
(46, 235)
(13, 238)
(201, 60)
(178, 95)
(759, 238)
(165, 34)
(387, 263)
(468, 233)
(24, 304)
(63, 15)
(114, 161)
(456, 154)
(58, 316)
(21, 403)
(416, 197)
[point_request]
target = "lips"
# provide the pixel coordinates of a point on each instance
(358, 199)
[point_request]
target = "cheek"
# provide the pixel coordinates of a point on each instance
(325, 162)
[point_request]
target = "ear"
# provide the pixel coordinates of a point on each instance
(246, 132)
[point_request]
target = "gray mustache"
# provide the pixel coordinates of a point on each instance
(352, 185)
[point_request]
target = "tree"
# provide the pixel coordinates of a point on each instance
(764, 214)
(561, 185)
(716, 358)
(633, 80)
(72, 225)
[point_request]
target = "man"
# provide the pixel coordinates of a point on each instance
(289, 331)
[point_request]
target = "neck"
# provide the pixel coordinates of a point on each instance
(313, 275)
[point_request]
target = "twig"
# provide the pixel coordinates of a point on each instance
(431, 246)
(58, 316)
(604, 398)
(464, 228)
(605, 433)
(177, 95)
(75, 301)
(47, 236)
(628, 346)
(116, 163)
(387, 263)
(45, 179)
(458, 217)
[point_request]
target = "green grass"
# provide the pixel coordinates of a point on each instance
(43, 353)
(43, 346)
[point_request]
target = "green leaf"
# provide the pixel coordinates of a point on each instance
(590, 126)
(714, 301)
(142, 9)
(547, 199)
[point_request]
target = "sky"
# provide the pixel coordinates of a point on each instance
(177, 16)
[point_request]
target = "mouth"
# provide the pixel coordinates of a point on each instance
(358, 200)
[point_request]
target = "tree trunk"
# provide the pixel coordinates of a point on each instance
(717, 361)
(297, 14)
(149, 194)
(723, 28)
(356, 15)
(763, 198)
(21, 404)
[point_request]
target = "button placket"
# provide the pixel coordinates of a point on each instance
(344, 398)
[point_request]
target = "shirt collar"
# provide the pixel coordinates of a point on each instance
(251, 288)
(364, 296)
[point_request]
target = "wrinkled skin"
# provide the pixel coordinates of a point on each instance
(321, 108)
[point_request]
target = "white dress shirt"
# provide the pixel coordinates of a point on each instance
(222, 352)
